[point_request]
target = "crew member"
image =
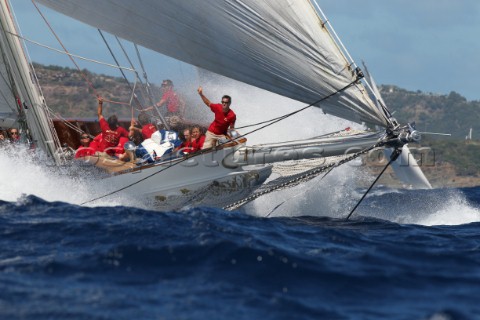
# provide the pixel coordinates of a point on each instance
(224, 119)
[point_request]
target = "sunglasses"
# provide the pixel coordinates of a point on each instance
(84, 137)
(225, 102)
(14, 133)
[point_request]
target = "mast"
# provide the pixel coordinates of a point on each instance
(31, 104)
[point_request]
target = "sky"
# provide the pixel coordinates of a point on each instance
(427, 45)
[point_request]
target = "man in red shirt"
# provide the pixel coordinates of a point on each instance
(85, 149)
(111, 132)
(198, 139)
(171, 99)
(187, 144)
(147, 127)
(224, 118)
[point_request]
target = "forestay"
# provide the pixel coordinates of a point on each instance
(278, 45)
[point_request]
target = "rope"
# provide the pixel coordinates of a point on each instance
(90, 84)
(259, 123)
(67, 53)
(394, 157)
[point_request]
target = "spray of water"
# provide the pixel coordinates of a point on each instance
(23, 174)
(453, 211)
(422, 207)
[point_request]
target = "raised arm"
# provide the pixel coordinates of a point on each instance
(160, 103)
(205, 99)
(133, 127)
(100, 108)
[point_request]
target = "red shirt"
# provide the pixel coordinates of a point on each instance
(197, 144)
(148, 130)
(110, 138)
(84, 151)
(187, 147)
(222, 120)
(171, 100)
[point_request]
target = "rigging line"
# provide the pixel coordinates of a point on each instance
(68, 53)
(65, 121)
(141, 63)
(123, 73)
(149, 91)
(90, 84)
(133, 96)
(208, 150)
(131, 65)
(259, 123)
(393, 157)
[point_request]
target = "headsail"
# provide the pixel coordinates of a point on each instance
(278, 45)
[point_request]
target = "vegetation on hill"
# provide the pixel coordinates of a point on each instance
(67, 92)
(450, 113)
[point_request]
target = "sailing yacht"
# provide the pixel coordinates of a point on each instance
(282, 46)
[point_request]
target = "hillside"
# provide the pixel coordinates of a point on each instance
(67, 92)
(450, 113)
(455, 160)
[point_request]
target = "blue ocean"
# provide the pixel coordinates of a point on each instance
(403, 255)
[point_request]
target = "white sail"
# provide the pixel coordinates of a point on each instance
(278, 45)
(8, 109)
(17, 85)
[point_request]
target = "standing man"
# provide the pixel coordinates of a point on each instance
(174, 104)
(224, 118)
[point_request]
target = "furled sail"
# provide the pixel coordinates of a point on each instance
(278, 45)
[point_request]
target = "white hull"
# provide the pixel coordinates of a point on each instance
(220, 177)
(202, 179)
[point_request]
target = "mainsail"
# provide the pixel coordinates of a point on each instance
(279, 45)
